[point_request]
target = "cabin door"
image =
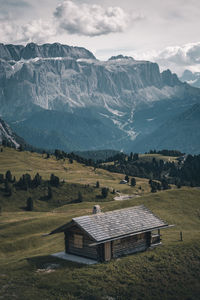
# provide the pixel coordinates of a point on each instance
(107, 251)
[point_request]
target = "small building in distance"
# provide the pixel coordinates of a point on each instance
(123, 181)
(102, 236)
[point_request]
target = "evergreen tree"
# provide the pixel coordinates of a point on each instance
(80, 197)
(54, 180)
(21, 148)
(1, 178)
(133, 181)
(37, 180)
(153, 189)
(126, 178)
(97, 184)
(49, 192)
(165, 184)
(9, 176)
(29, 204)
(135, 156)
(8, 188)
(104, 192)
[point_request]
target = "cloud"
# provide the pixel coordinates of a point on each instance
(14, 3)
(35, 31)
(12, 9)
(91, 20)
(179, 58)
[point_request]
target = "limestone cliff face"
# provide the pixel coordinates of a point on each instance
(122, 98)
(62, 77)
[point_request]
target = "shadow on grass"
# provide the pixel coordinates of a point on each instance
(23, 208)
(45, 262)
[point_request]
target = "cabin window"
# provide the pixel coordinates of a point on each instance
(140, 236)
(78, 241)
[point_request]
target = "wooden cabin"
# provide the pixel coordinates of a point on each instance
(102, 236)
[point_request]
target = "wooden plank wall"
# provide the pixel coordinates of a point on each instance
(129, 245)
(86, 251)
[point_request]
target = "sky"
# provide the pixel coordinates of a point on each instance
(163, 31)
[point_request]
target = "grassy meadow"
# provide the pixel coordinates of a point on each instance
(28, 271)
(26, 162)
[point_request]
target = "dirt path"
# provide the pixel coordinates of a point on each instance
(125, 197)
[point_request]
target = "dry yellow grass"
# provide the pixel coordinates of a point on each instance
(26, 162)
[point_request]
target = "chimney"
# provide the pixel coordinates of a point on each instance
(96, 209)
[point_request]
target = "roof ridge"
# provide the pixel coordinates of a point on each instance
(112, 211)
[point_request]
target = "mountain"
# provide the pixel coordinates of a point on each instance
(8, 136)
(181, 132)
(191, 78)
(18, 52)
(57, 96)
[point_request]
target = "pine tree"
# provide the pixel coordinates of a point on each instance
(8, 188)
(104, 192)
(54, 180)
(80, 197)
(8, 176)
(49, 192)
(126, 178)
(97, 184)
(29, 204)
(133, 181)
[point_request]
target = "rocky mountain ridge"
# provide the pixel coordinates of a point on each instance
(64, 92)
(31, 50)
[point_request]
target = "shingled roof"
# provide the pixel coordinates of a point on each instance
(118, 223)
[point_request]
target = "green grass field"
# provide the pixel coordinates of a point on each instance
(169, 272)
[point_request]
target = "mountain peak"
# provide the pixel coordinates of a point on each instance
(170, 78)
(120, 56)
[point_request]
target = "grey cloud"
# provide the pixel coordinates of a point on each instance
(179, 58)
(13, 3)
(34, 31)
(91, 20)
(10, 9)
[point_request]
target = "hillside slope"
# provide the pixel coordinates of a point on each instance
(7, 136)
(167, 272)
(181, 132)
